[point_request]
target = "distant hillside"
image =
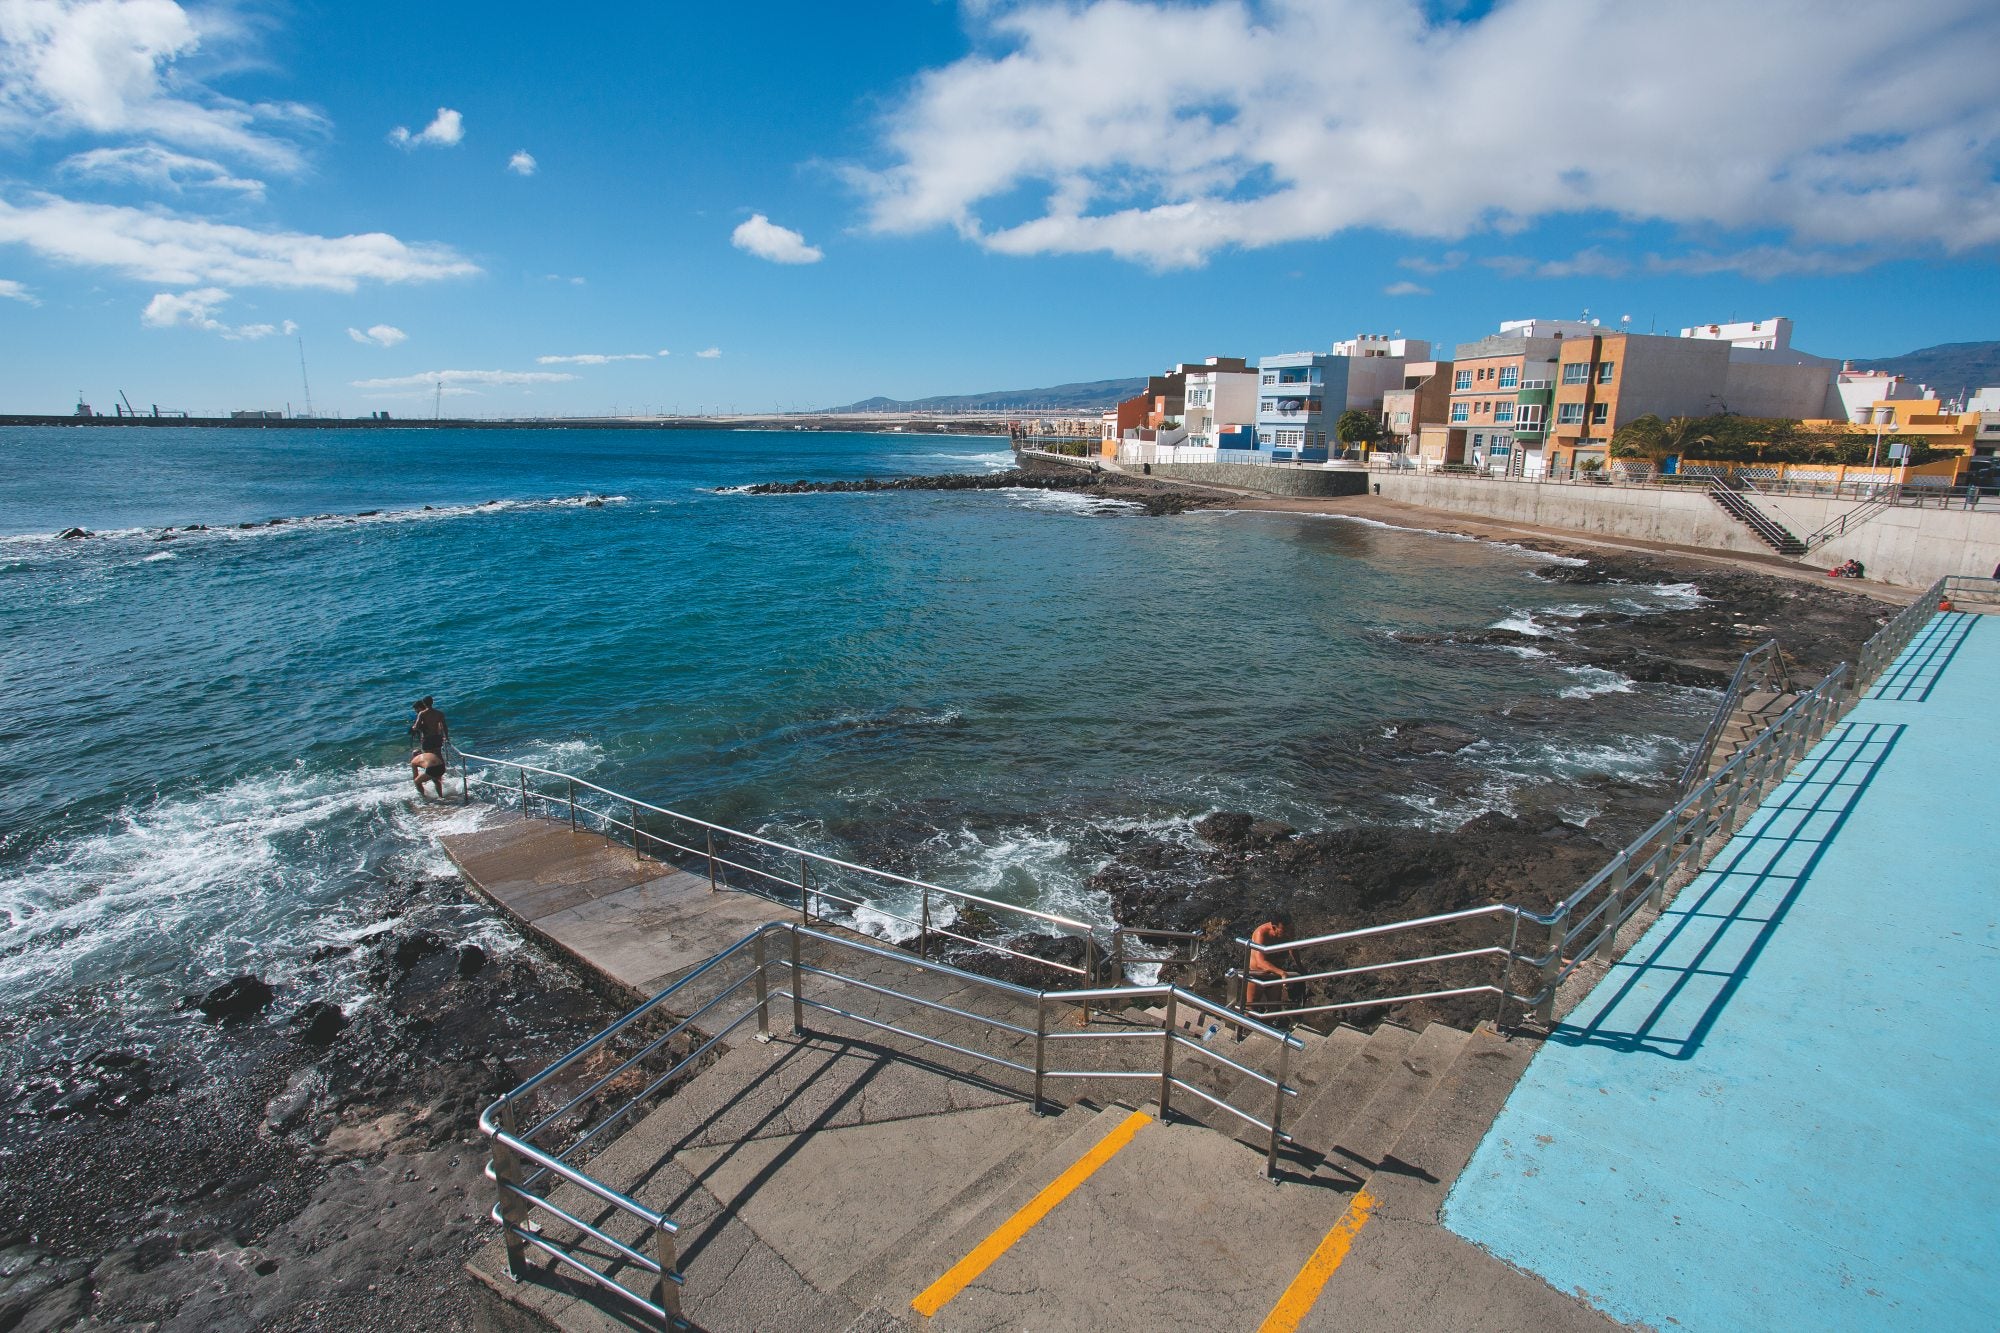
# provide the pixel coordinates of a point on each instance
(1093, 396)
(1948, 367)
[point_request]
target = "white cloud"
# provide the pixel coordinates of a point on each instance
(14, 291)
(1444, 263)
(112, 67)
(1589, 263)
(1162, 134)
(444, 131)
(154, 245)
(522, 163)
(197, 310)
(767, 240)
(459, 378)
(663, 352)
(709, 353)
(379, 335)
(557, 277)
(1405, 289)
(592, 358)
(159, 168)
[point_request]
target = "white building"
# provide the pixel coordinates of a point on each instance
(1860, 390)
(1221, 391)
(1769, 335)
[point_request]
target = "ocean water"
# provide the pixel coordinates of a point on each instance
(202, 739)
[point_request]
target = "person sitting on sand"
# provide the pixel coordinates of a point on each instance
(1266, 988)
(432, 734)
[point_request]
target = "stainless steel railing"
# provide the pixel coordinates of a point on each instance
(1448, 953)
(815, 883)
(540, 1149)
(1764, 667)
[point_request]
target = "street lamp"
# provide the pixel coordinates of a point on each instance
(1875, 454)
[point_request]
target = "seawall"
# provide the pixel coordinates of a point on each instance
(1908, 547)
(1294, 483)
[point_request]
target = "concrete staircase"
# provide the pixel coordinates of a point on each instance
(1755, 712)
(828, 1179)
(1768, 530)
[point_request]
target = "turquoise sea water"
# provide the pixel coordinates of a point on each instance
(201, 745)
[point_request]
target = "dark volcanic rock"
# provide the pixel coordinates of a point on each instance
(73, 534)
(236, 999)
(406, 951)
(1151, 497)
(471, 960)
(318, 1023)
(109, 1083)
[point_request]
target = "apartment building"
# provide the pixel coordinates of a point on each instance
(1423, 397)
(1302, 394)
(1498, 409)
(1163, 399)
(1218, 393)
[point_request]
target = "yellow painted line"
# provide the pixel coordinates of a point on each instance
(1299, 1298)
(967, 1270)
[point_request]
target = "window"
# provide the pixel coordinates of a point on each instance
(1402, 418)
(1569, 414)
(1478, 441)
(1600, 413)
(1528, 417)
(1576, 372)
(1459, 413)
(1462, 381)
(1509, 376)
(1604, 369)
(1503, 412)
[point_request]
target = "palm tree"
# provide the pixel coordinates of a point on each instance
(1654, 440)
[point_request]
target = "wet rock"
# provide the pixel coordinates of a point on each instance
(236, 999)
(1227, 829)
(366, 513)
(109, 1083)
(593, 504)
(166, 536)
(74, 534)
(317, 1023)
(406, 951)
(471, 960)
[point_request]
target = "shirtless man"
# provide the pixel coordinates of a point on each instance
(432, 734)
(1267, 987)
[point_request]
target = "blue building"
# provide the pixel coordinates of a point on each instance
(1294, 394)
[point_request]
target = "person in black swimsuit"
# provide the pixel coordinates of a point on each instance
(432, 734)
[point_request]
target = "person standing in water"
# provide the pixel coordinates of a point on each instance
(431, 734)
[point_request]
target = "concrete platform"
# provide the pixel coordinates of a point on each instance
(1779, 1110)
(638, 923)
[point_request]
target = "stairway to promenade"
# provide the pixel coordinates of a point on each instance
(1778, 1109)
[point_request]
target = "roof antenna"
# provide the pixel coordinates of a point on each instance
(302, 375)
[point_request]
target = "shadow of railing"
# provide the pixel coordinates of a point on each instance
(1665, 996)
(1913, 675)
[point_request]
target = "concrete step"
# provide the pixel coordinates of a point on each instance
(1325, 1112)
(1361, 1142)
(943, 1237)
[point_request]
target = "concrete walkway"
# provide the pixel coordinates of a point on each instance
(1779, 1110)
(640, 924)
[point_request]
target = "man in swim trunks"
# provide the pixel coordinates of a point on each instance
(1267, 988)
(432, 734)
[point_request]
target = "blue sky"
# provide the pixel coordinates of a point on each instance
(911, 198)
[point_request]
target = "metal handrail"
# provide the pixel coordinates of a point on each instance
(1886, 498)
(515, 1149)
(808, 893)
(1638, 875)
(1764, 655)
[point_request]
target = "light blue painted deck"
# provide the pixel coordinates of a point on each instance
(1782, 1108)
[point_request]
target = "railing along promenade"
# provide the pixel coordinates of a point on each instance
(546, 1133)
(1445, 952)
(819, 886)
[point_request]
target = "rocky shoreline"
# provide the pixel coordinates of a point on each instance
(1152, 498)
(292, 1163)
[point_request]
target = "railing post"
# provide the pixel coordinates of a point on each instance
(507, 1179)
(924, 932)
(1169, 1033)
(1614, 908)
(1278, 1111)
(572, 805)
(805, 888)
(1089, 970)
(667, 1293)
(1545, 1006)
(464, 781)
(763, 987)
(798, 989)
(1118, 955)
(1507, 970)
(524, 789)
(633, 807)
(1041, 1042)
(711, 860)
